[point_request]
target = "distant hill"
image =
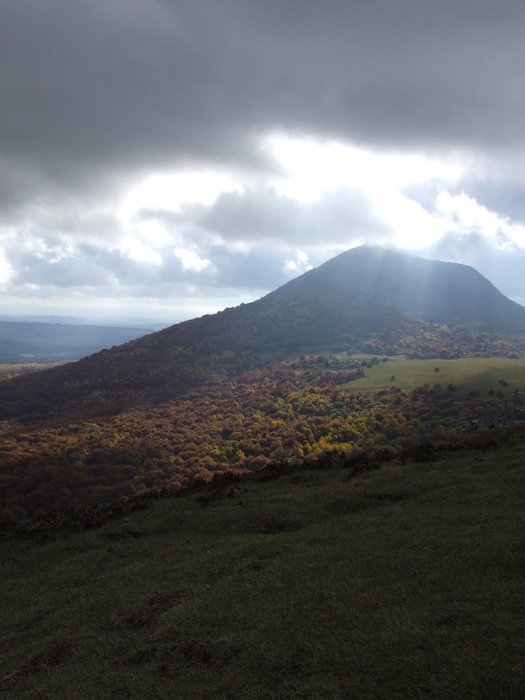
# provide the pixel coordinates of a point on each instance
(366, 299)
(361, 293)
(46, 342)
(434, 291)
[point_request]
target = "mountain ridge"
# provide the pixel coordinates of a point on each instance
(365, 299)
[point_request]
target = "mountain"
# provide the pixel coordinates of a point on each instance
(362, 292)
(434, 291)
(276, 380)
(23, 341)
(366, 299)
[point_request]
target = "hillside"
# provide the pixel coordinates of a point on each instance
(227, 393)
(366, 299)
(237, 423)
(395, 583)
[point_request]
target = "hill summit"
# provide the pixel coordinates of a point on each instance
(367, 299)
(370, 291)
(435, 291)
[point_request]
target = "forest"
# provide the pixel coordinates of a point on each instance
(235, 422)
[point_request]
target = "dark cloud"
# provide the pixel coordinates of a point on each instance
(505, 198)
(263, 214)
(96, 95)
(256, 270)
(94, 89)
(101, 88)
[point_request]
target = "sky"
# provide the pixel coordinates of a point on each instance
(162, 159)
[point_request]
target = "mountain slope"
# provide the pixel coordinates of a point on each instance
(403, 582)
(366, 298)
(362, 293)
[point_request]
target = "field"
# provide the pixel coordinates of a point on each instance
(404, 582)
(466, 374)
(13, 369)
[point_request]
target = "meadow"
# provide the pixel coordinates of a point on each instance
(466, 374)
(401, 582)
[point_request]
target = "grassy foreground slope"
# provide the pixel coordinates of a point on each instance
(399, 583)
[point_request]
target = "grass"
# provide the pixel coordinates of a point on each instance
(466, 374)
(405, 582)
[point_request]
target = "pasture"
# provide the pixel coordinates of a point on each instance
(465, 375)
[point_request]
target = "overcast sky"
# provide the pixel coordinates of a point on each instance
(167, 158)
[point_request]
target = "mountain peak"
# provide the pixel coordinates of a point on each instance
(366, 299)
(433, 290)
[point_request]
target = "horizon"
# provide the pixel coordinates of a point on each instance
(159, 322)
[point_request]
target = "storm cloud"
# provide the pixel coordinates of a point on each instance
(99, 96)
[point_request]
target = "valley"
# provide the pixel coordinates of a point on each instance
(24, 342)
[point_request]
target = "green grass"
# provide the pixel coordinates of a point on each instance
(406, 582)
(467, 374)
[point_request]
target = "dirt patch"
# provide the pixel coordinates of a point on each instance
(266, 527)
(199, 653)
(196, 653)
(214, 494)
(138, 657)
(301, 479)
(251, 567)
(364, 501)
(391, 497)
(8, 561)
(57, 652)
(171, 652)
(154, 607)
(449, 618)
(122, 535)
(30, 623)
(77, 518)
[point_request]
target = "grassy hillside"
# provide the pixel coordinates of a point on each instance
(398, 583)
(466, 374)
